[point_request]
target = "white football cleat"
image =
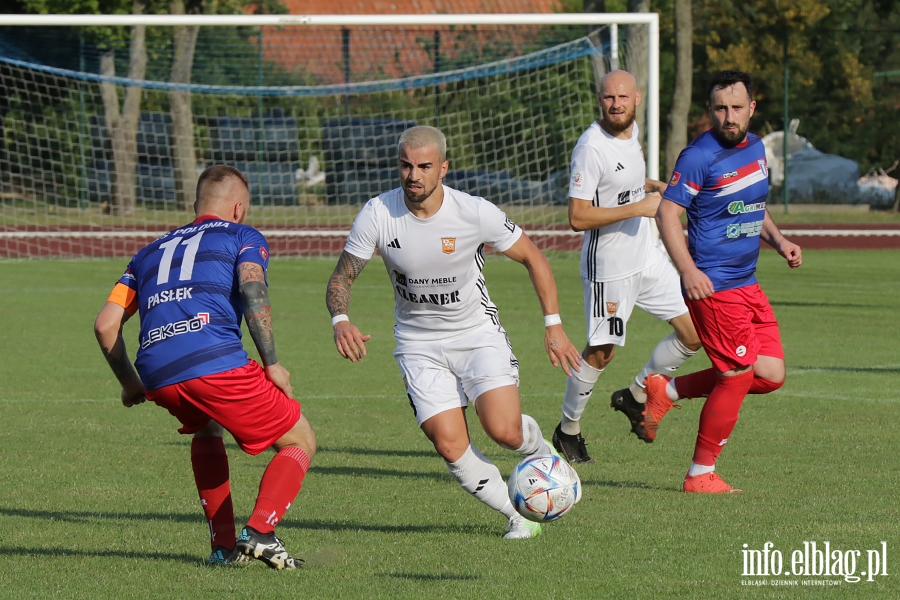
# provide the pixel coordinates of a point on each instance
(520, 528)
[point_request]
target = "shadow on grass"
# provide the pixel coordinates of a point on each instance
(873, 370)
(299, 523)
(71, 552)
(421, 577)
(318, 525)
(86, 517)
(373, 452)
(379, 473)
(621, 484)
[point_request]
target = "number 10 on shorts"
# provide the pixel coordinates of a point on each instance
(616, 326)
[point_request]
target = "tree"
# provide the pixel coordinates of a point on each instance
(676, 135)
(121, 123)
(184, 156)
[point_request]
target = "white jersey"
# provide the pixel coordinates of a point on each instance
(435, 263)
(610, 172)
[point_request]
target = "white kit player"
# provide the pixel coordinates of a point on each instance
(451, 348)
(621, 265)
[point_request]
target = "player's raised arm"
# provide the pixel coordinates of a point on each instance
(258, 314)
(350, 343)
(786, 248)
(557, 344)
(108, 329)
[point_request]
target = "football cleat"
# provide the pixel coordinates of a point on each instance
(623, 401)
(658, 404)
(708, 483)
(222, 556)
(267, 548)
(520, 528)
(572, 447)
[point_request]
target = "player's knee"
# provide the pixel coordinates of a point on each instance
(508, 436)
(599, 356)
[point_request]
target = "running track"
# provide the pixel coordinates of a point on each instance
(83, 243)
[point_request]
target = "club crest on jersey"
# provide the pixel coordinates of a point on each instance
(763, 167)
(263, 253)
(612, 307)
(448, 245)
(675, 177)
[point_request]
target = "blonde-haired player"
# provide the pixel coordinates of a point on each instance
(451, 348)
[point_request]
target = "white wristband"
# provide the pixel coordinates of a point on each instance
(338, 318)
(552, 320)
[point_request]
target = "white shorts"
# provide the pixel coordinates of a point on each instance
(608, 304)
(449, 372)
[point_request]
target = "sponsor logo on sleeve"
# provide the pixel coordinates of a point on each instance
(763, 166)
(577, 180)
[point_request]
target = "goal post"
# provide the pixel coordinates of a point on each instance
(101, 140)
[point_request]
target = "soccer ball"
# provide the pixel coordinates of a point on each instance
(544, 488)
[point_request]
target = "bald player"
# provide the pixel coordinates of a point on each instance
(191, 287)
(611, 200)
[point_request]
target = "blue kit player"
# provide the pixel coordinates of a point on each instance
(191, 287)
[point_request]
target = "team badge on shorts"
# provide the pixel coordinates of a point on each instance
(448, 245)
(740, 350)
(612, 307)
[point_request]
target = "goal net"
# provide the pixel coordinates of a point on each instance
(105, 129)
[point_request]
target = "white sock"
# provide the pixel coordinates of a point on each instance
(700, 469)
(579, 386)
(532, 439)
(665, 359)
(481, 478)
(671, 392)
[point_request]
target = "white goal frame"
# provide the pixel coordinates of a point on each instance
(650, 19)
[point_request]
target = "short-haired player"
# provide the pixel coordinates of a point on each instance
(451, 347)
(612, 201)
(191, 287)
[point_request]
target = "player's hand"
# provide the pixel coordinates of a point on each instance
(349, 341)
(133, 395)
(281, 378)
(560, 349)
(791, 252)
(650, 204)
(697, 285)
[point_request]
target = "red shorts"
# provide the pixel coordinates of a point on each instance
(736, 326)
(241, 400)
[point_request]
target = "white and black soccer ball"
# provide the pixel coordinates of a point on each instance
(544, 488)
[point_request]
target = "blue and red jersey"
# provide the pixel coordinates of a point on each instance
(724, 191)
(185, 286)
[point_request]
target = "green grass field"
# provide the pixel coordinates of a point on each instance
(98, 500)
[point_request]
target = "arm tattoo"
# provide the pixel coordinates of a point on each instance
(257, 310)
(337, 298)
(117, 358)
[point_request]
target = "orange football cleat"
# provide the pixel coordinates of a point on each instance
(658, 403)
(708, 483)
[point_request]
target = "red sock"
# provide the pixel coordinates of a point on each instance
(719, 416)
(210, 464)
(696, 385)
(279, 486)
(764, 386)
